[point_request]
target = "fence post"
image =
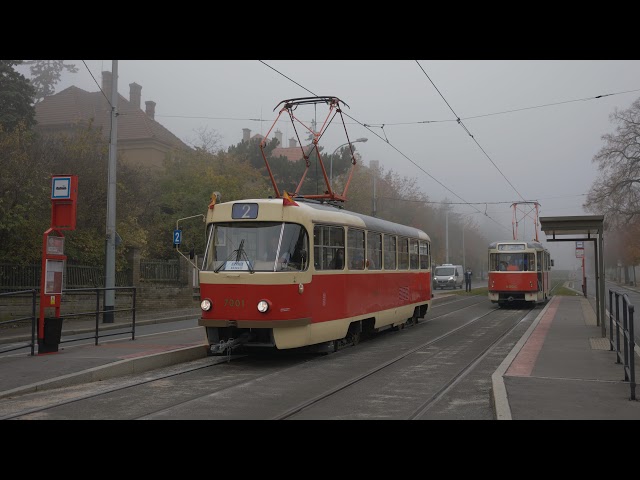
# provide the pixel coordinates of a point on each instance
(133, 258)
(183, 278)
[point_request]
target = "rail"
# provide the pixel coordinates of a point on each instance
(15, 321)
(128, 325)
(98, 311)
(627, 354)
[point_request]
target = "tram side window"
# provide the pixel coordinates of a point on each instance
(414, 261)
(495, 263)
(328, 247)
(355, 249)
(529, 261)
(374, 250)
(403, 253)
(294, 248)
(389, 252)
(424, 255)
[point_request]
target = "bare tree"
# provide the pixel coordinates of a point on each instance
(616, 194)
(206, 140)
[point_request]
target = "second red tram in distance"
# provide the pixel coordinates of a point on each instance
(285, 273)
(519, 271)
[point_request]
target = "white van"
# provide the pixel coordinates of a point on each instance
(448, 276)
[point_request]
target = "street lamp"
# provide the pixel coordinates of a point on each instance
(337, 148)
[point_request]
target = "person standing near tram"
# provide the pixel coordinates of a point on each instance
(467, 279)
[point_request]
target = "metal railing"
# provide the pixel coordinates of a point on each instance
(160, 271)
(25, 277)
(626, 355)
(32, 318)
(125, 327)
(98, 312)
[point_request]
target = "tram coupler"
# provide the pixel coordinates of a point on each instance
(230, 344)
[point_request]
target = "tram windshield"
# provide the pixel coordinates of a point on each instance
(512, 262)
(256, 247)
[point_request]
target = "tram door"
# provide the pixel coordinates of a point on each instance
(539, 260)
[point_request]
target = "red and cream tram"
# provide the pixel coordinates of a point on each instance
(300, 270)
(519, 272)
(286, 274)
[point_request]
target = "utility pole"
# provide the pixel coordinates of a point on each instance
(110, 253)
(373, 165)
(446, 237)
(464, 262)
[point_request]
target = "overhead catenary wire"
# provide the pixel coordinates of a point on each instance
(459, 120)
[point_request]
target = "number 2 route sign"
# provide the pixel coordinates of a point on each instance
(177, 237)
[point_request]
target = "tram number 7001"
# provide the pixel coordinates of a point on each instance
(231, 302)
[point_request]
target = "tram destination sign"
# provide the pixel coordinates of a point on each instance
(244, 210)
(510, 247)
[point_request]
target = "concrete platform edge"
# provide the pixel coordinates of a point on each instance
(114, 369)
(499, 398)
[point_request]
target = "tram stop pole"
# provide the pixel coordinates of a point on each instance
(64, 194)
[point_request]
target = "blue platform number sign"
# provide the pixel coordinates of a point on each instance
(177, 237)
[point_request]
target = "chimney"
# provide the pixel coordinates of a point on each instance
(292, 143)
(107, 83)
(151, 109)
(246, 134)
(278, 135)
(135, 92)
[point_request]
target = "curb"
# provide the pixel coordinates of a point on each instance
(114, 369)
(499, 397)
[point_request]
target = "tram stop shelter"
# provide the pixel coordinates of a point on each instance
(582, 228)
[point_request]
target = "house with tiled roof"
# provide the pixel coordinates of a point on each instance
(293, 152)
(141, 139)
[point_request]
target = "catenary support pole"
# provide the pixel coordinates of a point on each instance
(110, 254)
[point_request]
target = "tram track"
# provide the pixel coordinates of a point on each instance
(246, 377)
(373, 371)
(446, 387)
(418, 414)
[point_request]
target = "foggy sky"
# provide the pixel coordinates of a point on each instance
(541, 152)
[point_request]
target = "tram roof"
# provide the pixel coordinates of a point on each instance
(581, 227)
(372, 223)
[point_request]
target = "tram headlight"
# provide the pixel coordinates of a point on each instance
(264, 306)
(206, 305)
